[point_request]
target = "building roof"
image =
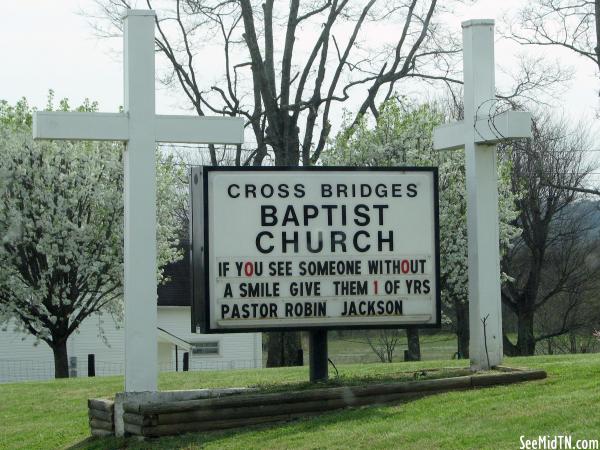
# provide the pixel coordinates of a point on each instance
(165, 337)
(177, 291)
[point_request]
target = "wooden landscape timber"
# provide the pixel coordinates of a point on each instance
(153, 419)
(101, 413)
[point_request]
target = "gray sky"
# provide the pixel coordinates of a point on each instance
(47, 44)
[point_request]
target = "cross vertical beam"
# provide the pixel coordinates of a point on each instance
(141, 359)
(479, 133)
(485, 347)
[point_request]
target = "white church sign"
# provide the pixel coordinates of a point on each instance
(315, 248)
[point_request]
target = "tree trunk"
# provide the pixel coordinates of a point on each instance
(510, 349)
(414, 347)
(597, 23)
(61, 359)
(462, 328)
(526, 339)
(283, 349)
(573, 342)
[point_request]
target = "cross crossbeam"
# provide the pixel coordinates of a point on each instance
(488, 130)
(115, 127)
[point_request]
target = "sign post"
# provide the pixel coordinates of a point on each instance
(479, 133)
(314, 249)
(318, 362)
(140, 128)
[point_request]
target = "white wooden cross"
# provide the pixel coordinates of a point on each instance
(140, 129)
(479, 133)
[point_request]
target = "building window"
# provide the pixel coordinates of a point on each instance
(205, 348)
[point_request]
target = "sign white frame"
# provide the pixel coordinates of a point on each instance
(201, 249)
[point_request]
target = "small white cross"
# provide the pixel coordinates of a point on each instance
(479, 133)
(140, 129)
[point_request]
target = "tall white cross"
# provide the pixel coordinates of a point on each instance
(479, 133)
(140, 129)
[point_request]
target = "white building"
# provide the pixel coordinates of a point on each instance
(21, 359)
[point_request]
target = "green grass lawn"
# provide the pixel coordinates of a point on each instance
(53, 414)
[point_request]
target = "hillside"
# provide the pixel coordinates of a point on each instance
(53, 414)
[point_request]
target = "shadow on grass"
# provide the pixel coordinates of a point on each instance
(292, 428)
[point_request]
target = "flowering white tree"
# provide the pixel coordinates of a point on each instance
(402, 136)
(61, 224)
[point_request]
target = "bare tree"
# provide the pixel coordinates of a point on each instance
(289, 94)
(571, 24)
(384, 343)
(548, 263)
(413, 344)
(289, 69)
(575, 312)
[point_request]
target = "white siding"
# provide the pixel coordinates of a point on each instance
(236, 350)
(164, 357)
(20, 359)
